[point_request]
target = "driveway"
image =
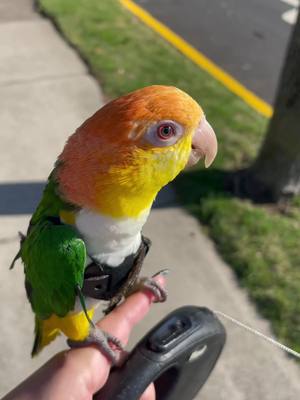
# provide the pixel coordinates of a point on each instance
(248, 39)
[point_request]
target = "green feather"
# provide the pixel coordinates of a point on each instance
(51, 203)
(82, 302)
(37, 337)
(54, 257)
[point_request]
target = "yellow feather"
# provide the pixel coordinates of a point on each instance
(68, 217)
(132, 188)
(74, 326)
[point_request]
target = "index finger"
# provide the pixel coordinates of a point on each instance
(122, 319)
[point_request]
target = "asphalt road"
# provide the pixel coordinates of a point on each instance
(248, 39)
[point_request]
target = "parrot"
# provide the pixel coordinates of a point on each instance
(84, 243)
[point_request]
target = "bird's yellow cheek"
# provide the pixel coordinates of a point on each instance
(169, 162)
(134, 186)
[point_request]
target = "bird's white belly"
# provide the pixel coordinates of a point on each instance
(110, 240)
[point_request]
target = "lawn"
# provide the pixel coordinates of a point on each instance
(259, 242)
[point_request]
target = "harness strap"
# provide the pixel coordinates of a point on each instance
(103, 282)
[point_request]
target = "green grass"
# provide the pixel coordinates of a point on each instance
(261, 244)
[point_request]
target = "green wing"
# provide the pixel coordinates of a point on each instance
(54, 258)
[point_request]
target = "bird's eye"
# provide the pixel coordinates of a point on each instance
(165, 131)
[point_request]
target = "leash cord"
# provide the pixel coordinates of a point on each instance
(257, 333)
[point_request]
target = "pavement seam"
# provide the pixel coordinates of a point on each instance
(37, 20)
(46, 78)
(10, 239)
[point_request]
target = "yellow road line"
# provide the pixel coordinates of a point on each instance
(200, 59)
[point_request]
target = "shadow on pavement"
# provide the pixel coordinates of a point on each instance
(22, 197)
(195, 185)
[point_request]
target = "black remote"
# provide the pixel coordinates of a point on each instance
(178, 355)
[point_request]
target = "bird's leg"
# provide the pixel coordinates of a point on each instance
(159, 292)
(108, 344)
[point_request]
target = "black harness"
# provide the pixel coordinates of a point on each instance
(103, 282)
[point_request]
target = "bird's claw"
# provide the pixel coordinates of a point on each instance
(108, 344)
(159, 292)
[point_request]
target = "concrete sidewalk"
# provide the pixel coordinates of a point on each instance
(46, 92)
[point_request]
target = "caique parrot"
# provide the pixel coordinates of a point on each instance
(84, 242)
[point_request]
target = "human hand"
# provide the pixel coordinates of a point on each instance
(78, 374)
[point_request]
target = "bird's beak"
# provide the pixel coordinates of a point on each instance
(204, 144)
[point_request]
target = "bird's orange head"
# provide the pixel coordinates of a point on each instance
(119, 159)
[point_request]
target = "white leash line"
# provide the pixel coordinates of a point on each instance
(257, 333)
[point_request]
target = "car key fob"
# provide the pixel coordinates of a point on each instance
(178, 355)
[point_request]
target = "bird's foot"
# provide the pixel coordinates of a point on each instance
(159, 292)
(108, 344)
